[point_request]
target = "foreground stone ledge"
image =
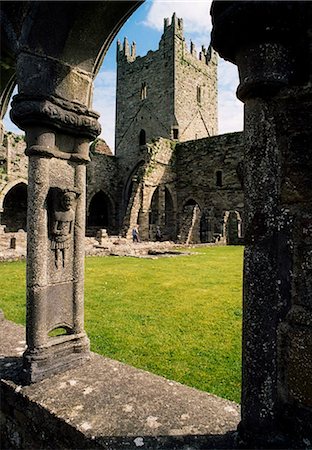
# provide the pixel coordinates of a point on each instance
(107, 404)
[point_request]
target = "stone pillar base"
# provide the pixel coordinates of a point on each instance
(253, 438)
(63, 353)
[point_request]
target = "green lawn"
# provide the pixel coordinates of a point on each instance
(177, 317)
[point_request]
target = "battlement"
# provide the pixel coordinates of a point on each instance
(176, 23)
(205, 55)
(170, 92)
(127, 52)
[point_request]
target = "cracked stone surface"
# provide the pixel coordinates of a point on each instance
(105, 403)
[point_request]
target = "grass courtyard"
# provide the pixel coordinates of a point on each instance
(177, 317)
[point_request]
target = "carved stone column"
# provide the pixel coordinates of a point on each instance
(57, 133)
(271, 44)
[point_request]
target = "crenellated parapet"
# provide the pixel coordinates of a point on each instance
(174, 28)
(176, 24)
(125, 51)
(155, 97)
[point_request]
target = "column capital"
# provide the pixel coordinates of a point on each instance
(262, 39)
(245, 23)
(56, 113)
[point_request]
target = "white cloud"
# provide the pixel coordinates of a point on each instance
(104, 103)
(195, 14)
(230, 109)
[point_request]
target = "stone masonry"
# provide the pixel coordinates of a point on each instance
(166, 115)
(54, 61)
(166, 121)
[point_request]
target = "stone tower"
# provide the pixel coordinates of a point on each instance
(169, 93)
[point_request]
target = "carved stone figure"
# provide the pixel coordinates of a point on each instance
(62, 224)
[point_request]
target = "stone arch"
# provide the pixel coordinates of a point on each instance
(154, 208)
(162, 213)
(232, 227)
(14, 207)
(170, 216)
(100, 213)
(190, 222)
(132, 178)
(8, 187)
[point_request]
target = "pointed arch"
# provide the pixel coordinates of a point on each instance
(190, 222)
(154, 208)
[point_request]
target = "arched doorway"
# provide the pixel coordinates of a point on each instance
(14, 216)
(161, 214)
(232, 225)
(169, 228)
(100, 213)
(190, 222)
(154, 210)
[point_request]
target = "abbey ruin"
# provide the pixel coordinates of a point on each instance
(53, 52)
(166, 122)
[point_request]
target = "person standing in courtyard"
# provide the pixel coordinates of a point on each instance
(135, 234)
(158, 234)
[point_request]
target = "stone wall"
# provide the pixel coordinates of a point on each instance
(105, 404)
(197, 166)
(102, 177)
(158, 93)
(13, 182)
(13, 162)
(196, 89)
(151, 112)
(163, 189)
(191, 190)
(157, 191)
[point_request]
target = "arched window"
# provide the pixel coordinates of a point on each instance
(143, 93)
(142, 137)
(199, 95)
(219, 178)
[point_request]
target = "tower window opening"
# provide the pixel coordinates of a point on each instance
(143, 93)
(199, 95)
(219, 178)
(142, 137)
(175, 132)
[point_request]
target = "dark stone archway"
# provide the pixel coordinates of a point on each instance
(14, 215)
(100, 213)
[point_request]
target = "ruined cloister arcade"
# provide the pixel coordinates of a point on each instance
(54, 50)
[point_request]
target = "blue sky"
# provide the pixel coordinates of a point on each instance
(145, 27)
